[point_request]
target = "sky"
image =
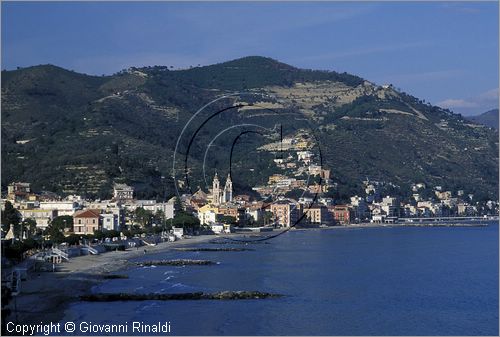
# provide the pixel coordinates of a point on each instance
(443, 52)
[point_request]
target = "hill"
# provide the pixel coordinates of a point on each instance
(74, 133)
(488, 118)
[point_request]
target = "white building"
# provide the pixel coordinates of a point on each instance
(153, 206)
(62, 207)
(123, 192)
(304, 155)
(110, 221)
(178, 232)
(217, 228)
(207, 217)
(43, 217)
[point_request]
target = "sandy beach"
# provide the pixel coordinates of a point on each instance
(46, 295)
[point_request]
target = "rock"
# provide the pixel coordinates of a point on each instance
(213, 249)
(179, 262)
(223, 295)
(113, 276)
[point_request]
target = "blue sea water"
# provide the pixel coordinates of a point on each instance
(368, 281)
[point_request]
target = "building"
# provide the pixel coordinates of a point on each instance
(341, 214)
(110, 221)
(42, 217)
(18, 191)
(200, 195)
(360, 208)
(208, 214)
(222, 196)
(62, 207)
(286, 213)
(390, 206)
(465, 209)
(255, 213)
(153, 206)
(178, 232)
(123, 192)
(227, 195)
(86, 221)
(443, 195)
(317, 214)
(216, 190)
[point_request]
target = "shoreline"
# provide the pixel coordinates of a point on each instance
(45, 296)
(457, 223)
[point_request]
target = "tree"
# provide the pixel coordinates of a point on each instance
(62, 222)
(56, 236)
(99, 235)
(143, 217)
(57, 226)
(111, 233)
(72, 239)
(177, 205)
(29, 226)
(227, 219)
(10, 217)
(185, 220)
(159, 217)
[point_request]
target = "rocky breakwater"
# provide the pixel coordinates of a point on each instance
(214, 249)
(179, 262)
(222, 295)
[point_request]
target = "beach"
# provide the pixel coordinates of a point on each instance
(45, 295)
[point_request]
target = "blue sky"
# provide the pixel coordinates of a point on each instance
(443, 52)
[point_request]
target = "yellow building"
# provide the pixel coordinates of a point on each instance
(208, 214)
(302, 145)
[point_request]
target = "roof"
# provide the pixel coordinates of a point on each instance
(89, 213)
(122, 187)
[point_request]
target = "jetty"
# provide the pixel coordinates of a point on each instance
(213, 249)
(179, 262)
(223, 295)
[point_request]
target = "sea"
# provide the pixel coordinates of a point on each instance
(346, 281)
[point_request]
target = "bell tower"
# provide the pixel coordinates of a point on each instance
(216, 190)
(228, 190)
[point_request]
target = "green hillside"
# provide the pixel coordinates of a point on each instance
(72, 133)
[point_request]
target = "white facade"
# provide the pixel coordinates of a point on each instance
(123, 192)
(217, 228)
(62, 207)
(227, 195)
(207, 217)
(216, 190)
(178, 232)
(110, 222)
(42, 216)
(256, 214)
(153, 206)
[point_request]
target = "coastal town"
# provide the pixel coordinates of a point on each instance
(54, 217)
(296, 196)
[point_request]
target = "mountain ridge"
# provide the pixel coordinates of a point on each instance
(75, 133)
(488, 118)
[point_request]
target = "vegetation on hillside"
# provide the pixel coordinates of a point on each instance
(73, 133)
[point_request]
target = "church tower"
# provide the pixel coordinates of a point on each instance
(216, 190)
(228, 190)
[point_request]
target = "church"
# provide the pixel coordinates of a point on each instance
(219, 196)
